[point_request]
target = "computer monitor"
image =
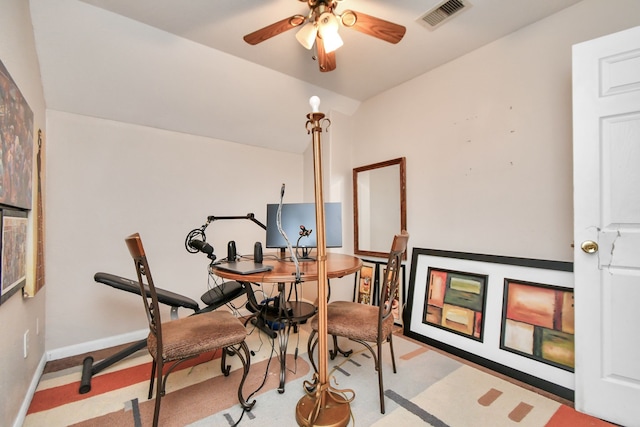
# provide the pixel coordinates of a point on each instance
(295, 215)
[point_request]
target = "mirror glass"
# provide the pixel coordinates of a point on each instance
(379, 206)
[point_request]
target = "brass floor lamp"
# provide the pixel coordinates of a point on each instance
(324, 406)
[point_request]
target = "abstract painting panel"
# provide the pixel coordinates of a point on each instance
(455, 301)
(538, 322)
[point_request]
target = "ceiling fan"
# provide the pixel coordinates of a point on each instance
(321, 28)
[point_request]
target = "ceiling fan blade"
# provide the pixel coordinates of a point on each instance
(326, 61)
(274, 29)
(372, 26)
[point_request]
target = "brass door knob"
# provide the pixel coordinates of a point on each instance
(589, 247)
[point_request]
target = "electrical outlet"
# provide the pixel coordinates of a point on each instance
(26, 344)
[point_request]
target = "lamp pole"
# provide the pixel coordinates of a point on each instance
(323, 406)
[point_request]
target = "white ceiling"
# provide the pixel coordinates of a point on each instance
(366, 66)
(72, 48)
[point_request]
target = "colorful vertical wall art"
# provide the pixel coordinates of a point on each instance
(538, 322)
(366, 284)
(16, 144)
(398, 299)
(13, 256)
(455, 301)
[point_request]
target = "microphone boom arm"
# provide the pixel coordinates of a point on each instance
(249, 216)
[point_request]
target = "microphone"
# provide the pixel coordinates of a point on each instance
(282, 191)
(203, 247)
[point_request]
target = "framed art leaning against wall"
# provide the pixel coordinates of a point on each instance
(512, 315)
(366, 283)
(367, 287)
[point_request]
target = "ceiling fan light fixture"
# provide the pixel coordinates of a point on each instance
(328, 29)
(307, 35)
(320, 27)
(332, 41)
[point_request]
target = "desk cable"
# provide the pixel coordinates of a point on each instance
(294, 256)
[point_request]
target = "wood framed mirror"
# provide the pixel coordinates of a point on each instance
(379, 206)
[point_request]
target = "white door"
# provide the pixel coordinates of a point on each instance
(606, 132)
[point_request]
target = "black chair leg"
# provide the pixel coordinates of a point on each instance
(226, 369)
(311, 345)
(336, 349)
(158, 367)
(393, 357)
(380, 382)
(152, 379)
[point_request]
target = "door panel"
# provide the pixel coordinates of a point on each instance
(606, 90)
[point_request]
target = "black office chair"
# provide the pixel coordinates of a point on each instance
(222, 294)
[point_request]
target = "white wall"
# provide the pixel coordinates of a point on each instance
(18, 54)
(108, 179)
(338, 165)
(488, 139)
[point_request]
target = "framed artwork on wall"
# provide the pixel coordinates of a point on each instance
(16, 128)
(13, 256)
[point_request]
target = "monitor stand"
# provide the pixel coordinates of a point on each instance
(305, 255)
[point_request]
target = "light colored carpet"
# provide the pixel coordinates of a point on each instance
(429, 389)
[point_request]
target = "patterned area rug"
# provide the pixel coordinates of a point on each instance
(430, 388)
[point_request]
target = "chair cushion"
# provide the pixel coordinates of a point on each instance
(355, 321)
(193, 335)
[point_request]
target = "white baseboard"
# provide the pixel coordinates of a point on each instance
(72, 350)
(30, 392)
(85, 347)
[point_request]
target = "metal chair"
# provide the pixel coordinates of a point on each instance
(185, 338)
(364, 323)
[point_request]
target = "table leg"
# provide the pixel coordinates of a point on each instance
(283, 340)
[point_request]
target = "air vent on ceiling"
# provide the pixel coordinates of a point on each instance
(443, 12)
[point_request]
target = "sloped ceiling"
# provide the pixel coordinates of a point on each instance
(183, 65)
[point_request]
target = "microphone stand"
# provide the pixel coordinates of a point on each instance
(249, 216)
(324, 406)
